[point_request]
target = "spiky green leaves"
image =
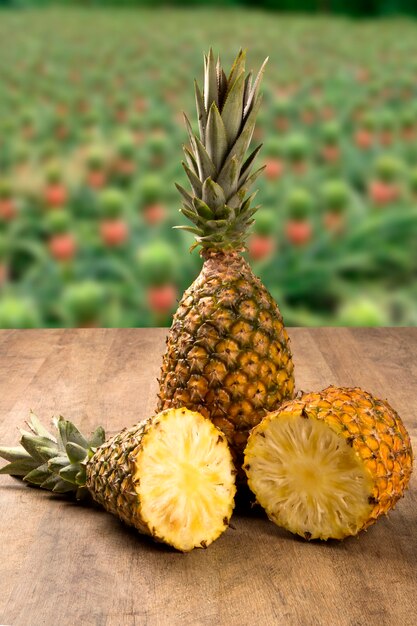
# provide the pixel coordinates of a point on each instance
(57, 463)
(219, 175)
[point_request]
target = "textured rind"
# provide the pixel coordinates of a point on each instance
(373, 429)
(228, 353)
(110, 475)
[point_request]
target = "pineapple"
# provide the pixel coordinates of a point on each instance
(171, 477)
(228, 353)
(326, 465)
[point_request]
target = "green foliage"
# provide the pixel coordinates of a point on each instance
(91, 135)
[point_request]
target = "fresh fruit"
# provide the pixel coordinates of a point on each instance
(228, 352)
(298, 227)
(96, 174)
(55, 192)
(330, 150)
(385, 187)
(62, 243)
(83, 303)
(335, 196)
(162, 298)
(114, 232)
(297, 149)
(328, 464)
(171, 476)
(273, 169)
(63, 246)
(154, 213)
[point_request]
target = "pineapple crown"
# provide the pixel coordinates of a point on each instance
(54, 462)
(216, 165)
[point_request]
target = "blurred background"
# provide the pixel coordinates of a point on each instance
(91, 95)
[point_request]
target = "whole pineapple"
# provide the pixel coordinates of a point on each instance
(329, 463)
(171, 477)
(228, 353)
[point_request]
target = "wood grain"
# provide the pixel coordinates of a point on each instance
(62, 563)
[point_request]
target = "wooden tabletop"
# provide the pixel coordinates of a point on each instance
(63, 564)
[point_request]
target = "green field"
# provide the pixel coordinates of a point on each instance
(90, 147)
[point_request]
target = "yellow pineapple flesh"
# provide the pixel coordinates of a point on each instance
(171, 477)
(328, 464)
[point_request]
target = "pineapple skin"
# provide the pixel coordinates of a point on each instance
(371, 427)
(228, 354)
(110, 476)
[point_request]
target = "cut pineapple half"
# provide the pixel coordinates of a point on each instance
(184, 479)
(307, 477)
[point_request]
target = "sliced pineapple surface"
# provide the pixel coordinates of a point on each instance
(308, 478)
(184, 479)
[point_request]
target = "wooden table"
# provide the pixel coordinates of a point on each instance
(65, 564)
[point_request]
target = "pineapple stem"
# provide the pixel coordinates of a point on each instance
(53, 461)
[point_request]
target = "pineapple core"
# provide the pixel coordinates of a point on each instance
(308, 479)
(185, 480)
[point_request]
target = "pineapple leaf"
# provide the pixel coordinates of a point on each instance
(187, 197)
(248, 164)
(201, 111)
(253, 95)
(248, 87)
(213, 195)
(14, 454)
(236, 200)
(218, 169)
(98, 437)
(218, 225)
(38, 475)
(216, 137)
(252, 178)
(221, 83)
(229, 176)
(238, 66)
(70, 433)
(76, 453)
(38, 428)
(193, 216)
(210, 81)
(242, 142)
(232, 112)
(40, 448)
(202, 209)
(20, 467)
(50, 482)
(189, 229)
(70, 473)
(45, 462)
(57, 463)
(205, 164)
(62, 486)
(192, 163)
(191, 135)
(81, 477)
(195, 182)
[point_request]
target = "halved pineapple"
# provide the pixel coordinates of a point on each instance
(184, 479)
(326, 465)
(171, 476)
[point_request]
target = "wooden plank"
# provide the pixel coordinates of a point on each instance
(66, 564)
